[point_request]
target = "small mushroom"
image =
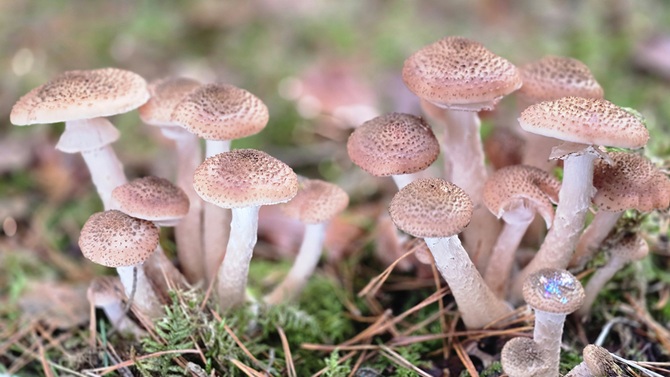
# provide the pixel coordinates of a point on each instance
(315, 204)
(553, 294)
(522, 357)
(598, 362)
(437, 211)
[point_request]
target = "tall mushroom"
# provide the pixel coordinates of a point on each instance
(585, 123)
(315, 204)
(437, 211)
(243, 180)
(219, 113)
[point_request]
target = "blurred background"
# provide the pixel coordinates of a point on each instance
(321, 66)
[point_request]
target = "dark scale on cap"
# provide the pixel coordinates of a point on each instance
(151, 198)
(114, 239)
(317, 201)
(221, 112)
(393, 144)
(553, 77)
(431, 207)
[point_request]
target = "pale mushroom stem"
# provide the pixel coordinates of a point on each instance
(477, 304)
(232, 274)
(303, 266)
(402, 180)
(106, 172)
(188, 232)
(594, 235)
(598, 281)
(216, 220)
(144, 299)
(580, 370)
(548, 333)
(573, 203)
(500, 263)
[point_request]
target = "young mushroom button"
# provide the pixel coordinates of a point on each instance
(437, 210)
(522, 357)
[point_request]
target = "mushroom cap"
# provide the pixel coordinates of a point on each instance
(221, 112)
(600, 361)
(393, 144)
(585, 121)
(86, 135)
(165, 96)
(509, 186)
(460, 74)
(317, 201)
(504, 147)
(631, 247)
(553, 290)
(244, 178)
(76, 95)
(630, 182)
(523, 357)
(431, 207)
(554, 77)
(114, 239)
(151, 198)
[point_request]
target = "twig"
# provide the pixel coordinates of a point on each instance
(465, 359)
(636, 366)
(249, 371)
(398, 359)
(287, 353)
(128, 363)
(373, 286)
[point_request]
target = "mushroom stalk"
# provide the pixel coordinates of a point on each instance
(303, 267)
(477, 304)
(548, 333)
(106, 172)
(598, 281)
(144, 297)
(402, 180)
(594, 235)
(216, 231)
(232, 274)
(573, 202)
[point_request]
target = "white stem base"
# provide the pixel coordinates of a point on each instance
(145, 298)
(548, 333)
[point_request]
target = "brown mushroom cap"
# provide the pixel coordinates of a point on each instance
(393, 144)
(585, 121)
(317, 201)
(244, 178)
(510, 185)
(630, 182)
(553, 291)
(554, 77)
(523, 357)
(89, 134)
(76, 95)
(461, 74)
(114, 239)
(221, 112)
(431, 207)
(600, 362)
(151, 198)
(165, 96)
(631, 247)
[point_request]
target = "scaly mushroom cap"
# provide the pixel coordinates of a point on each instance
(165, 96)
(631, 247)
(585, 121)
(554, 77)
(508, 186)
(553, 291)
(460, 74)
(630, 182)
(114, 239)
(317, 201)
(244, 178)
(76, 95)
(393, 144)
(89, 134)
(522, 357)
(221, 112)
(151, 198)
(600, 362)
(431, 207)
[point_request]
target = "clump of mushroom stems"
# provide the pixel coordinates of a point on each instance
(594, 235)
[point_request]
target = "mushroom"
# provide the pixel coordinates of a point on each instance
(522, 357)
(165, 95)
(548, 79)
(315, 204)
(219, 113)
(114, 239)
(553, 294)
(585, 123)
(106, 292)
(515, 194)
(632, 247)
(631, 181)
(598, 362)
(394, 144)
(78, 98)
(243, 180)
(437, 210)
(158, 200)
(455, 78)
